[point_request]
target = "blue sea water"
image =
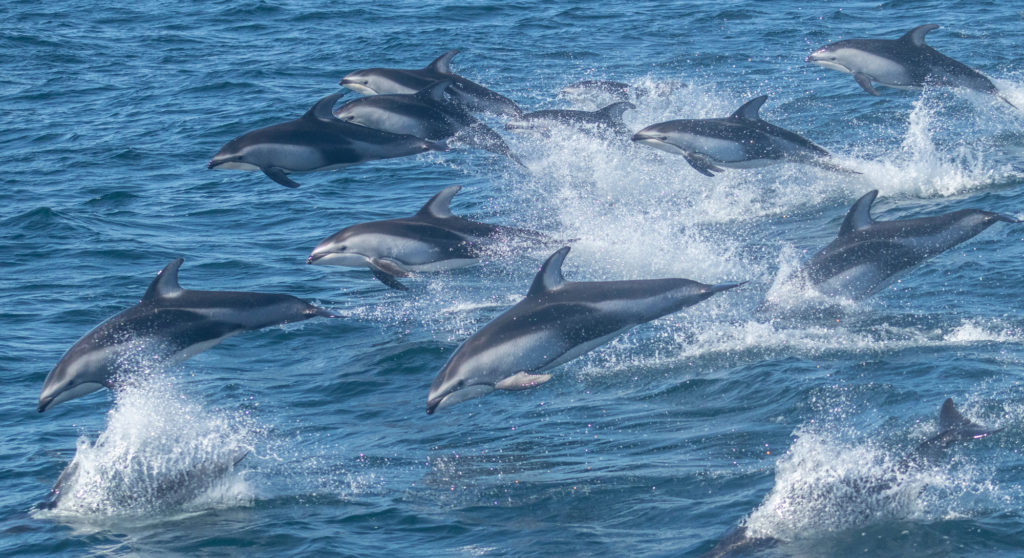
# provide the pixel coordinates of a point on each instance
(658, 444)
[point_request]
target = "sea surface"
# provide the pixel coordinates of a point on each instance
(791, 424)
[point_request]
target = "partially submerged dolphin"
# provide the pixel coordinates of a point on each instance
(617, 89)
(425, 114)
(558, 321)
(904, 62)
(316, 142)
(165, 486)
(953, 427)
(607, 118)
(868, 254)
(169, 324)
(742, 140)
(431, 240)
(378, 81)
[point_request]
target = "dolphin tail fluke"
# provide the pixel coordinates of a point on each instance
(278, 175)
(828, 164)
(1007, 101)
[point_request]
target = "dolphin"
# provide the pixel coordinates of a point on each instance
(616, 89)
(742, 140)
(316, 142)
(868, 254)
(953, 427)
(170, 486)
(378, 81)
(425, 114)
(906, 62)
(431, 240)
(609, 117)
(558, 321)
(170, 324)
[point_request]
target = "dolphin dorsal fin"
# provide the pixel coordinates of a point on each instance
(859, 217)
(434, 92)
(615, 111)
(165, 284)
(324, 108)
(550, 275)
(441, 63)
(916, 35)
(949, 417)
(749, 110)
(440, 205)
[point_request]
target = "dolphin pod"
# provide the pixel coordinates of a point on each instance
(170, 324)
(315, 142)
(558, 321)
(431, 240)
(906, 62)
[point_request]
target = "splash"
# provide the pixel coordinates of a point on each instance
(160, 453)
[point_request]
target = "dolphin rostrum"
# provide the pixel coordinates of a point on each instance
(905, 62)
(316, 142)
(431, 240)
(742, 140)
(609, 117)
(425, 114)
(868, 254)
(169, 324)
(377, 81)
(558, 321)
(953, 427)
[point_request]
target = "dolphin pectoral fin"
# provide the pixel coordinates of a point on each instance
(388, 280)
(521, 381)
(701, 165)
(1007, 101)
(865, 82)
(278, 175)
(386, 271)
(389, 267)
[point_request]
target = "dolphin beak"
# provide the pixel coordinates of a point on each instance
(44, 404)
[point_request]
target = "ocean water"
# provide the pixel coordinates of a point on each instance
(658, 444)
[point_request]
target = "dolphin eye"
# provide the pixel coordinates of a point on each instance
(342, 248)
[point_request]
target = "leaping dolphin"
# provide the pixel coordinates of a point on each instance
(431, 240)
(742, 140)
(609, 118)
(953, 427)
(904, 62)
(377, 81)
(868, 254)
(425, 114)
(316, 142)
(170, 324)
(558, 321)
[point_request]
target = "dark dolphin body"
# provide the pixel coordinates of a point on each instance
(378, 81)
(608, 118)
(315, 142)
(953, 427)
(169, 486)
(425, 114)
(903, 62)
(867, 255)
(743, 140)
(168, 325)
(431, 240)
(558, 321)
